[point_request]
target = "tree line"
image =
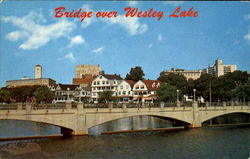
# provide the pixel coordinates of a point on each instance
(233, 86)
(23, 94)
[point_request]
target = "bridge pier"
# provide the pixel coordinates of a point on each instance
(68, 105)
(19, 106)
(66, 132)
(196, 116)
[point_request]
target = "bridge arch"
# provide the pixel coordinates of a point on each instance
(218, 114)
(65, 130)
(117, 117)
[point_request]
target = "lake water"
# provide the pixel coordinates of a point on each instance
(204, 143)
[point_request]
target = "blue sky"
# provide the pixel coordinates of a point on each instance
(30, 35)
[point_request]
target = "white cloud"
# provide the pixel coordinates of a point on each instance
(247, 17)
(132, 3)
(87, 21)
(17, 35)
(247, 36)
(130, 24)
(76, 40)
(98, 50)
(150, 46)
(70, 56)
(159, 37)
(34, 33)
(173, 3)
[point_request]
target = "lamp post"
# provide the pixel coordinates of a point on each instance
(68, 94)
(210, 91)
(177, 95)
(194, 94)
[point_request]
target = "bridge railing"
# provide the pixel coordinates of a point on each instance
(51, 106)
(22, 106)
(12, 106)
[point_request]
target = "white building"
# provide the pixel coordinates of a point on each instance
(105, 82)
(69, 93)
(219, 69)
(145, 90)
(125, 90)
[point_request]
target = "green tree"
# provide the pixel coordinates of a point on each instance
(242, 92)
(43, 94)
(202, 86)
(176, 80)
(167, 93)
(106, 96)
(5, 95)
(135, 74)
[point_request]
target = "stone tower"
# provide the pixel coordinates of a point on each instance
(38, 71)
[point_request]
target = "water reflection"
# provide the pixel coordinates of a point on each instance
(132, 123)
(17, 128)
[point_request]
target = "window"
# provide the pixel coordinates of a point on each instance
(103, 82)
(98, 83)
(124, 92)
(100, 77)
(114, 82)
(107, 82)
(121, 87)
(127, 86)
(95, 83)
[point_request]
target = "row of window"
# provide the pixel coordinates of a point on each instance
(103, 88)
(102, 82)
(125, 93)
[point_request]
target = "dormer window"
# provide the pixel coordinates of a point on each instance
(100, 77)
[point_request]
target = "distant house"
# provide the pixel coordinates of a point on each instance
(68, 92)
(125, 90)
(105, 82)
(85, 80)
(145, 90)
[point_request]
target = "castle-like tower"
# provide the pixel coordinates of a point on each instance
(38, 71)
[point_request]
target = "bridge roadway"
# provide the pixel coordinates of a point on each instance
(77, 121)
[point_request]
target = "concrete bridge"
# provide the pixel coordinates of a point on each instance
(78, 121)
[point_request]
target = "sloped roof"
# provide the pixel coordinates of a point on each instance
(152, 85)
(86, 79)
(66, 86)
(131, 82)
(112, 76)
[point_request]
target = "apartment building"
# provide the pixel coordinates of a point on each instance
(105, 82)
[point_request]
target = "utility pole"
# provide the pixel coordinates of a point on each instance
(210, 91)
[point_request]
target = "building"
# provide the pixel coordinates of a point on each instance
(38, 71)
(85, 80)
(85, 69)
(195, 74)
(30, 82)
(219, 69)
(145, 90)
(105, 82)
(25, 81)
(125, 90)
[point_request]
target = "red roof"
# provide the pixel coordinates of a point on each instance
(152, 85)
(131, 82)
(86, 79)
